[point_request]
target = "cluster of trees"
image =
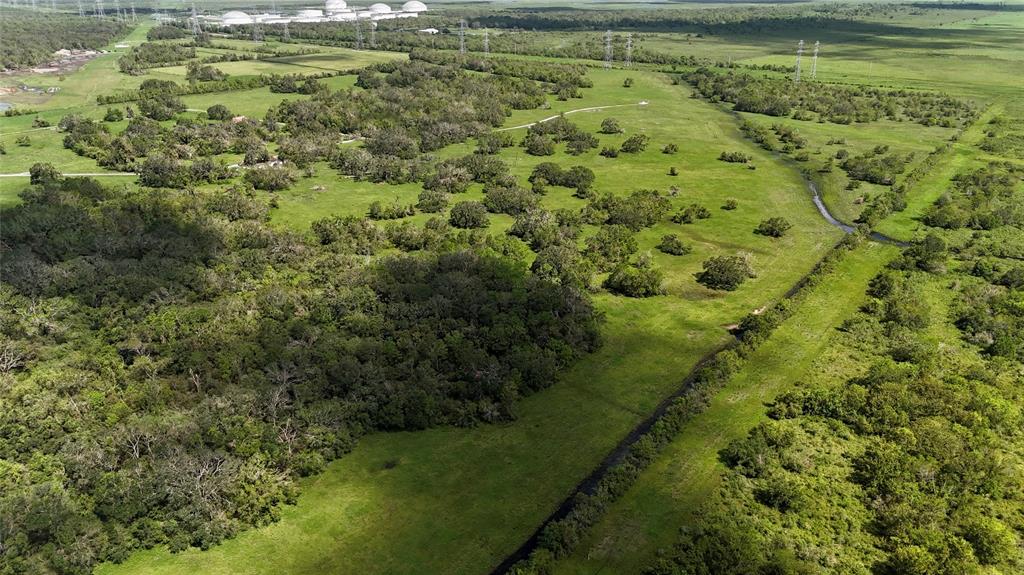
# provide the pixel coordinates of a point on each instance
(983, 199)
(541, 138)
(166, 32)
(154, 54)
(171, 364)
(878, 165)
(835, 103)
(564, 80)
(30, 37)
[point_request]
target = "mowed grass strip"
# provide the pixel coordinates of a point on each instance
(671, 490)
(458, 500)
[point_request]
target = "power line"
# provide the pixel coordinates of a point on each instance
(814, 61)
(196, 30)
(799, 55)
(607, 49)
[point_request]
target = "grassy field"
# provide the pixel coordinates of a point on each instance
(435, 511)
(648, 516)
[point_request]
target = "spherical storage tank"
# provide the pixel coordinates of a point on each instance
(414, 6)
(380, 8)
(235, 17)
(335, 6)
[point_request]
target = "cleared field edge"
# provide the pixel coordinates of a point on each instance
(854, 271)
(694, 383)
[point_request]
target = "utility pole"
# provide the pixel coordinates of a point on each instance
(814, 61)
(629, 50)
(462, 36)
(799, 55)
(608, 50)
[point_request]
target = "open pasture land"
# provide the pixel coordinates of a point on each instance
(436, 510)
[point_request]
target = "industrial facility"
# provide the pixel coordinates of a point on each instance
(333, 11)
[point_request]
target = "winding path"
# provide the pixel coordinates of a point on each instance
(566, 113)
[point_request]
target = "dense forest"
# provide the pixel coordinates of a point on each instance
(171, 364)
(911, 465)
(31, 38)
(829, 102)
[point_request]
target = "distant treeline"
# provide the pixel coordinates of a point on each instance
(830, 102)
(31, 38)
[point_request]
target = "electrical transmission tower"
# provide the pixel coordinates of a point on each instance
(373, 35)
(359, 36)
(134, 17)
(629, 50)
(814, 61)
(81, 11)
(99, 9)
(799, 55)
(257, 33)
(607, 49)
(196, 30)
(462, 36)
(117, 10)
(287, 35)
(487, 43)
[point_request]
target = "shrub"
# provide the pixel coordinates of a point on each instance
(734, 157)
(641, 279)
(670, 149)
(610, 246)
(113, 115)
(672, 245)
(379, 211)
(627, 83)
(511, 200)
(610, 126)
(609, 152)
(23, 141)
(270, 178)
(219, 112)
(725, 272)
(41, 173)
(635, 144)
(673, 171)
(432, 201)
(691, 213)
(730, 204)
(773, 227)
(539, 145)
(467, 215)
